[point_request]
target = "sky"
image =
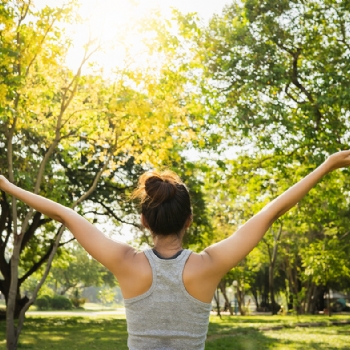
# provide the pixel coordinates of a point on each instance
(112, 8)
(112, 21)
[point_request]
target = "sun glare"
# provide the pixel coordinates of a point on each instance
(111, 25)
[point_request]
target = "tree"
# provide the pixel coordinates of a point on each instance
(78, 270)
(275, 74)
(326, 262)
(78, 139)
(240, 188)
(280, 67)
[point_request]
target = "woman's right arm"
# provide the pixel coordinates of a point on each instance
(224, 255)
(108, 252)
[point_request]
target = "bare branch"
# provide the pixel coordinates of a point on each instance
(36, 265)
(111, 213)
(24, 12)
(259, 162)
(71, 133)
(64, 243)
(342, 29)
(5, 211)
(268, 247)
(38, 46)
(42, 280)
(275, 245)
(286, 90)
(344, 235)
(33, 227)
(9, 231)
(295, 76)
(295, 80)
(74, 82)
(78, 111)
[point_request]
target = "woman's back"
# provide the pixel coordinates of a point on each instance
(166, 316)
(200, 280)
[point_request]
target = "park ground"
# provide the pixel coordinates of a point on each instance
(103, 331)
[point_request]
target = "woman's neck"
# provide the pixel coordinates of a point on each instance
(167, 246)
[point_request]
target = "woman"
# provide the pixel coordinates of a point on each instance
(168, 290)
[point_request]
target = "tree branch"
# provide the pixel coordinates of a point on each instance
(268, 247)
(36, 223)
(111, 212)
(292, 97)
(64, 243)
(342, 30)
(295, 80)
(36, 265)
(39, 45)
(275, 240)
(9, 231)
(5, 211)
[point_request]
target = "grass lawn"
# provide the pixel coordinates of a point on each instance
(229, 332)
(255, 333)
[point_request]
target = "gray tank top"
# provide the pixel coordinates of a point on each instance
(167, 317)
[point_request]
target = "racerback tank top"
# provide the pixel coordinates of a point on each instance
(167, 317)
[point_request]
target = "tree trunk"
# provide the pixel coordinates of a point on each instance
(217, 300)
(292, 274)
(329, 302)
(19, 301)
(273, 257)
(240, 299)
(272, 291)
(312, 298)
(265, 291)
(320, 304)
(256, 299)
(11, 329)
(222, 286)
(317, 302)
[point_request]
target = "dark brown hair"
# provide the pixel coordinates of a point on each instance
(165, 202)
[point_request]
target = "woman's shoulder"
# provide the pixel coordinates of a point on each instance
(199, 278)
(136, 278)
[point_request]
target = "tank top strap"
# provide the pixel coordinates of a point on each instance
(185, 255)
(155, 261)
(149, 255)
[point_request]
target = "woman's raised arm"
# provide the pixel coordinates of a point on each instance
(108, 252)
(226, 254)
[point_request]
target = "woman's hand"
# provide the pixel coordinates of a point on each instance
(338, 160)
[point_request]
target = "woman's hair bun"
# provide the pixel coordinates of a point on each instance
(160, 190)
(165, 202)
(156, 188)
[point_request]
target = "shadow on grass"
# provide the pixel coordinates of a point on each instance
(244, 339)
(239, 333)
(73, 333)
(232, 333)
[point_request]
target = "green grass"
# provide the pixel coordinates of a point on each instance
(252, 332)
(100, 307)
(57, 333)
(229, 332)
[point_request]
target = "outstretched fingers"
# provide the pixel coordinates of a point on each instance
(338, 160)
